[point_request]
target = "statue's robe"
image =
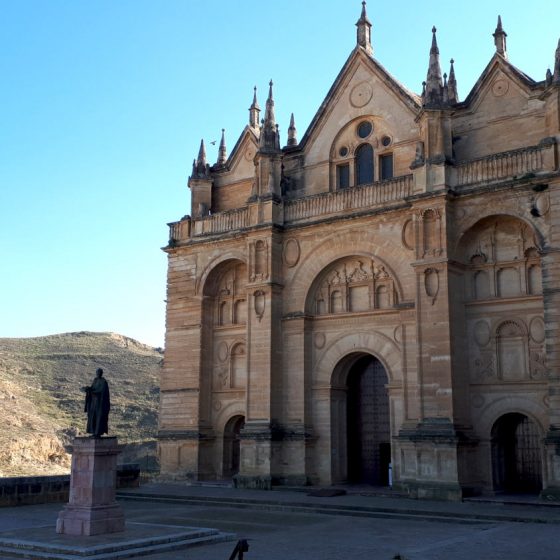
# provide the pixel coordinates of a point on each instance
(98, 404)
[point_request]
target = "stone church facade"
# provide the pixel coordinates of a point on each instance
(384, 293)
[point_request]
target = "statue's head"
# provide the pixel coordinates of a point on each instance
(99, 372)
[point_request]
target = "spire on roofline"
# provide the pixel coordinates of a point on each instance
(254, 111)
(292, 132)
(269, 138)
(222, 152)
(556, 73)
(439, 91)
(363, 37)
(201, 169)
(500, 39)
(433, 95)
(452, 94)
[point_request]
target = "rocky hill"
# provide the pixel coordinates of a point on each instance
(42, 407)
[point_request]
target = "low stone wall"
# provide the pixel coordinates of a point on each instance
(27, 490)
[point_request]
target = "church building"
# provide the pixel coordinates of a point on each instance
(379, 302)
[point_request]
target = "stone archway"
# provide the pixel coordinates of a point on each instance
(360, 424)
(231, 453)
(516, 454)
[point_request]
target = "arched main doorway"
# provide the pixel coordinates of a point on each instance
(360, 422)
(232, 446)
(516, 454)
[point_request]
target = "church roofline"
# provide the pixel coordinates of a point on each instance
(498, 60)
(411, 99)
(234, 153)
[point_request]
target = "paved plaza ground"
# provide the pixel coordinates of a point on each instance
(454, 531)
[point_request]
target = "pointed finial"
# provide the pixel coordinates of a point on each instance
(500, 39)
(556, 73)
(269, 118)
(269, 139)
(434, 82)
(201, 153)
(222, 152)
(201, 169)
(292, 132)
(435, 48)
(363, 36)
(254, 111)
(452, 94)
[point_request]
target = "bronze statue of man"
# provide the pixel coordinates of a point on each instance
(97, 405)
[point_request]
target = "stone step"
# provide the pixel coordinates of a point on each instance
(339, 509)
(38, 548)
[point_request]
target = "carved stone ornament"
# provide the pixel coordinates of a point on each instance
(320, 340)
(361, 95)
(536, 329)
(537, 359)
(408, 234)
(484, 367)
(291, 253)
(222, 351)
(354, 284)
(250, 153)
(397, 334)
(259, 303)
(542, 203)
(481, 333)
(477, 401)
(500, 87)
(431, 283)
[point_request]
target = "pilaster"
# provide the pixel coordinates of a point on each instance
(264, 363)
(551, 299)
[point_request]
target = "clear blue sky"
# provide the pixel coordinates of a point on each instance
(103, 104)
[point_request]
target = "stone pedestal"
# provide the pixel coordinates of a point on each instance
(92, 509)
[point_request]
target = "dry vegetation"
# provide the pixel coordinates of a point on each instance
(41, 405)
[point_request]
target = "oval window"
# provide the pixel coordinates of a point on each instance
(364, 129)
(343, 151)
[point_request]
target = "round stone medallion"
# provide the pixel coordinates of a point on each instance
(482, 333)
(361, 94)
(477, 401)
(536, 328)
(408, 235)
(500, 87)
(291, 252)
(542, 203)
(222, 351)
(320, 340)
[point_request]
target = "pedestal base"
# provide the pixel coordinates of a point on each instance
(92, 509)
(73, 520)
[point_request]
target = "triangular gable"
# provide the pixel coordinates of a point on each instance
(409, 99)
(247, 137)
(498, 63)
